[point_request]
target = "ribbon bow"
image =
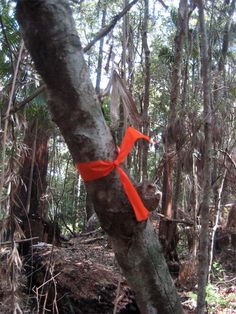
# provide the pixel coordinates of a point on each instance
(94, 170)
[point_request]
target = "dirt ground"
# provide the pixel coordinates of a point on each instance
(82, 277)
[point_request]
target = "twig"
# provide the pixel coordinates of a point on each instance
(105, 30)
(65, 224)
(91, 232)
(181, 221)
(52, 278)
(117, 299)
(228, 155)
(88, 241)
(226, 281)
(18, 241)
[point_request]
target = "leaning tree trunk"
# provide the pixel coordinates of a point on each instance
(50, 35)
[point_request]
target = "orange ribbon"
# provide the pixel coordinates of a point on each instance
(101, 168)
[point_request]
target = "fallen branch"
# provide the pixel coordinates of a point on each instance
(18, 241)
(89, 241)
(181, 221)
(90, 232)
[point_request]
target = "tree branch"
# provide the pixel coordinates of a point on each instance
(229, 157)
(28, 99)
(163, 4)
(105, 30)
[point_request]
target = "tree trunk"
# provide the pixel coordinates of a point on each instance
(100, 54)
(145, 118)
(50, 35)
(28, 198)
(204, 215)
(168, 229)
(29, 195)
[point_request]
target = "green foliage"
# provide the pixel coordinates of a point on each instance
(106, 109)
(213, 298)
(166, 54)
(218, 270)
(174, 16)
(9, 38)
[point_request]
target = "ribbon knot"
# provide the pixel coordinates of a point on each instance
(94, 170)
(116, 163)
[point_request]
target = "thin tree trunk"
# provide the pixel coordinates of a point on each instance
(167, 228)
(28, 197)
(124, 42)
(225, 44)
(218, 205)
(100, 54)
(75, 201)
(195, 204)
(74, 106)
(204, 215)
(123, 111)
(5, 130)
(33, 153)
(146, 89)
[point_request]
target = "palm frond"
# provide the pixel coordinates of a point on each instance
(121, 95)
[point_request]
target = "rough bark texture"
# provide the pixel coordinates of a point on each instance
(51, 38)
(28, 197)
(204, 233)
(166, 228)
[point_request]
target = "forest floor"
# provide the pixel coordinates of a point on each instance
(82, 277)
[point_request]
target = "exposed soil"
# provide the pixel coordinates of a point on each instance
(82, 277)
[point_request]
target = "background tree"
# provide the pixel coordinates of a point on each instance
(207, 118)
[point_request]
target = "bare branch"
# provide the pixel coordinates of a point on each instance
(163, 4)
(105, 30)
(28, 99)
(229, 157)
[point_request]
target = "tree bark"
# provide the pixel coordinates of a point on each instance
(168, 229)
(28, 201)
(204, 215)
(100, 54)
(146, 89)
(51, 38)
(29, 196)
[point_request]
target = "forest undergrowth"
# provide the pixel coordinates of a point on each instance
(82, 276)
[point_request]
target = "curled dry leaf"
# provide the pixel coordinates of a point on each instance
(14, 259)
